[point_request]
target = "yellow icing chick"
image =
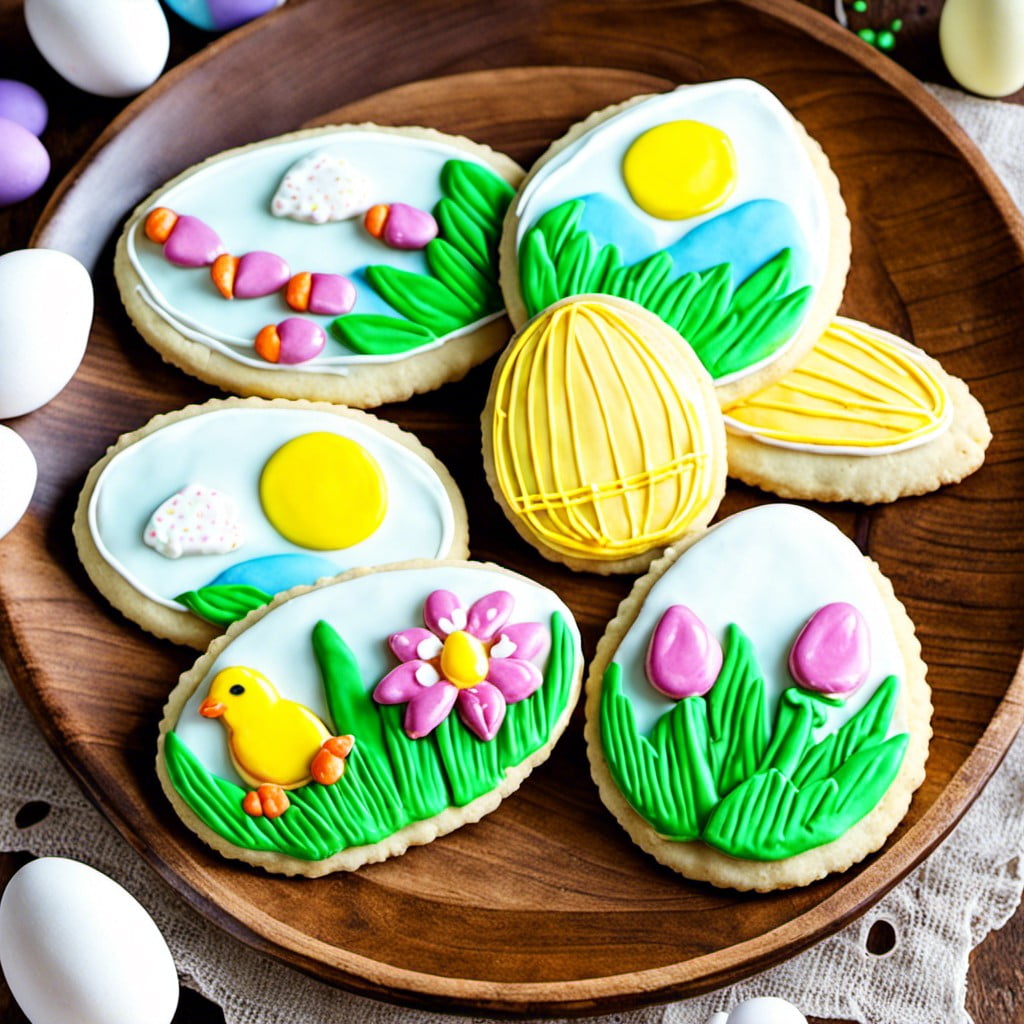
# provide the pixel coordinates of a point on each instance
(275, 744)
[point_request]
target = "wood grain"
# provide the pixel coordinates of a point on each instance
(544, 906)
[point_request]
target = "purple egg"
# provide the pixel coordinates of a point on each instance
(23, 104)
(230, 13)
(24, 163)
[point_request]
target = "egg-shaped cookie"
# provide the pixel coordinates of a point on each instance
(865, 416)
(354, 263)
(710, 205)
(349, 721)
(189, 523)
(757, 712)
(603, 441)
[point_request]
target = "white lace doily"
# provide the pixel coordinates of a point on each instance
(971, 885)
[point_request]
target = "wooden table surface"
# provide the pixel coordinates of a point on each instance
(996, 980)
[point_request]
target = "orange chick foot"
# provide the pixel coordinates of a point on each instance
(267, 801)
(329, 764)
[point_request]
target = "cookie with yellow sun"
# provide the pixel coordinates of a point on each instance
(204, 514)
(709, 205)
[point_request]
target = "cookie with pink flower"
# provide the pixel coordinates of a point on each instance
(758, 714)
(369, 713)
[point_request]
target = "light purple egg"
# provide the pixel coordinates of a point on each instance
(24, 105)
(227, 14)
(24, 163)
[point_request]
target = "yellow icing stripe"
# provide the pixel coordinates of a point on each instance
(601, 443)
(859, 389)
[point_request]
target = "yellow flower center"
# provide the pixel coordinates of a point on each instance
(463, 660)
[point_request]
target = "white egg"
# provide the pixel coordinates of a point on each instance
(45, 314)
(75, 946)
(106, 47)
(766, 1010)
(18, 473)
(982, 43)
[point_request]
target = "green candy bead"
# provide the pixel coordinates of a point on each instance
(868, 35)
(886, 40)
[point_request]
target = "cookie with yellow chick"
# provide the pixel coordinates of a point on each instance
(350, 720)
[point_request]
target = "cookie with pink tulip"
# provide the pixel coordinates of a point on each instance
(344, 723)
(757, 712)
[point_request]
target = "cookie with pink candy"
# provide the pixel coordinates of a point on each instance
(354, 264)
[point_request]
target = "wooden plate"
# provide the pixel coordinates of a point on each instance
(545, 907)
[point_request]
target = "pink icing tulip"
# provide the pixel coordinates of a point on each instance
(400, 225)
(683, 658)
(832, 654)
(331, 295)
(293, 340)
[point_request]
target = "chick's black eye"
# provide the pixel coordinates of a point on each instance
(237, 689)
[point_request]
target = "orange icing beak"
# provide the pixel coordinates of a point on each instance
(211, 708)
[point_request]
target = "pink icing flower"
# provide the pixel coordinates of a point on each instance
(683, 658)
(465, 659)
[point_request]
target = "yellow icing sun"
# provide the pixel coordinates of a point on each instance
(323, 491)
(680, 169)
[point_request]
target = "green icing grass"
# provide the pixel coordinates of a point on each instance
(462, 285)
(729, 330)
(715, 768)
(224, 603)
(390, 780)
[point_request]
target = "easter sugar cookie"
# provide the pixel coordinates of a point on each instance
(865, 416)
(709, 205)
(602, 436)
(757, 712)
(346, 722)
(204, 514)
(354, 264)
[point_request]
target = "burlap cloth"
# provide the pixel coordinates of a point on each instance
(971, 885)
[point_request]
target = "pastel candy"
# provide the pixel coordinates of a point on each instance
(21, 103)
(324, 294)
(832, 653)
(187, 241)
(401, 226)
(295, 340)
(250, 276)
(24, 163)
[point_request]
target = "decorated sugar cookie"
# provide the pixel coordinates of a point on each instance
(602, 436)
(202, 515)
(757, 713)
(865, 416)
(354, 264)
(371, 713)
(708, 205)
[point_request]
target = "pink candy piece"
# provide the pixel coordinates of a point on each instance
(683, 658)
(192, 243)
(401, 226)
(260, 273)
(295, 340)
(331, 295)
(832, 654)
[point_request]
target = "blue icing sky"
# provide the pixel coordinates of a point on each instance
(273, 573)
(747, 236)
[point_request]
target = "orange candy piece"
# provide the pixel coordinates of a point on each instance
(159, 224)
(375, 219)
(223, 272)
(268, 343)
(297, 292)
